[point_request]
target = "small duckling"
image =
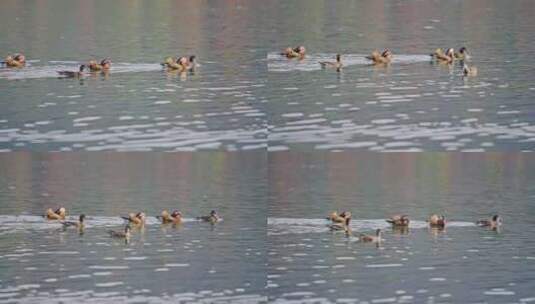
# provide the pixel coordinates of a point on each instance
(135, 218)
(59, 214)
(80, 224)
(72, 74)
(437, 221)
(297, 52)
(212, 218)
(15, 61)
(333, 65)
(469, 71)
(380, 58)
(377, 238)
(121, 234)
(399, 220)
(494, 223)
(166, 218)
(462, 54)
(447, 57)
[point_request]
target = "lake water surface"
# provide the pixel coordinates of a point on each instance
(245, 95)
(461, 264)
(257, 137)
(192, 263)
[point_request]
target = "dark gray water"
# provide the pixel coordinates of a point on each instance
(462, 264)
(194, 263)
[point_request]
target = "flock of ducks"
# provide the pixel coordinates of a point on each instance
(182, 64)
(133, 220)
(447, 56)
(340, 222)
(179, 64)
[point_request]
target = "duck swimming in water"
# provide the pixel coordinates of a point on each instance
(399, 220)
(446, 57)
(15, 61)
(73, 74)
(104, 65)
(335, 217)
(493, 223)
(343, 226)
(135, 218)
(380, 58)
(189, 64)
(213, 217)
(333, 65)
(173, 64)
(462, 54)
(297, 52)
(339, 218)
(121, 234)
(377, 238)
(78, 225)
(166, 217)
(437, 221)
(58, 214)
(469, 71)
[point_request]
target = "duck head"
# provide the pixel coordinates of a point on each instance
(497, 219)
(106, 63)
(301, 50)
(81, 218)
(182, 60)
(82, 68)
(176, 214)
(387, 53)
(60, 210)
(346, 214)
(20, 58)
(378, 233)
(338, 57)
(450, 52)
